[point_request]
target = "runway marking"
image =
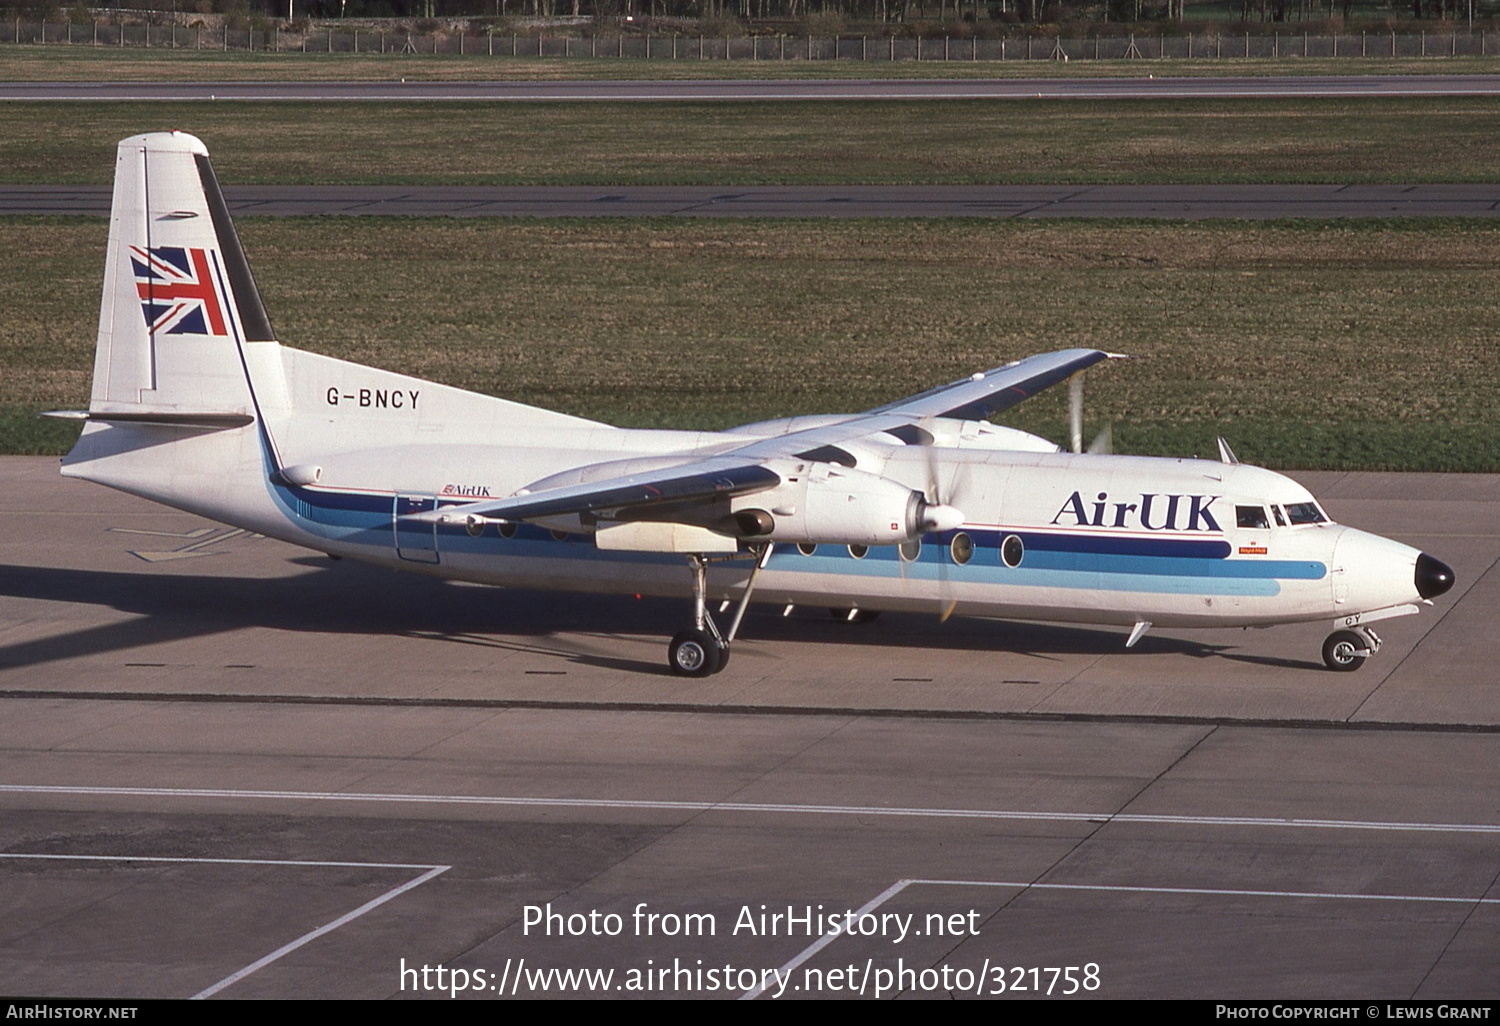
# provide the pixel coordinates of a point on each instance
(223, 862)
(828, 938)
(313, 935)
(901, 885)
(195, 548)
(430, 872)
(646, 804)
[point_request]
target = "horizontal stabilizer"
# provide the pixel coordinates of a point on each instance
(206, 421)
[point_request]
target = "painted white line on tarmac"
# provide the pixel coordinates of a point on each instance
(827, 939)
(1209, 891)
(431, 871)
(222, 862)
(1217, 892)
(313, 935)
(1100, 818)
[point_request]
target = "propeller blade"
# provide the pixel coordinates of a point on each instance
(930, 453)
(939, 517)
(1104, 442)
(1075, 411)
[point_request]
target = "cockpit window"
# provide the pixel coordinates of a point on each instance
(1304, 513)
(1251, 516)
(1280, 520)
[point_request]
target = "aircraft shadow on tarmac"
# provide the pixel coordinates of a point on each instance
(349, 598)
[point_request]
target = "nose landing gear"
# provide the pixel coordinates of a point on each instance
(1346, 651)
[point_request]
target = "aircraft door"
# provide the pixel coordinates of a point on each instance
(1337, 576)
(992, 495)
(415, 540)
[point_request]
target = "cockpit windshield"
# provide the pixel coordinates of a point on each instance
(1251, 516)
(1304, 513)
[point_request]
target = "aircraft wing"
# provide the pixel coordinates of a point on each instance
(741, 471)
(802, 443)
(973, 398)
(707, 478)
(982, 395)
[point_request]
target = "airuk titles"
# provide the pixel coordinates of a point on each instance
(474, 491)
(1152, 512)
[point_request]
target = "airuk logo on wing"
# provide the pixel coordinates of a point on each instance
(177, 291)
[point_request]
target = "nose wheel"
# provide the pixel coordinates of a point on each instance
(1346, 651)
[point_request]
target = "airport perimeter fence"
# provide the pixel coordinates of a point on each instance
(763, 48)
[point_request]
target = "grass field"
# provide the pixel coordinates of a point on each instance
(1347, 345)
(78, 63)
(1345, 141)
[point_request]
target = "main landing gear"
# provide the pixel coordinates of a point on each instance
(1346, 651)
(702, 651)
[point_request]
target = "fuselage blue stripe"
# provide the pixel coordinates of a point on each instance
(1169, 565)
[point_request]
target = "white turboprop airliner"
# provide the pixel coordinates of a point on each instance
(918, 505)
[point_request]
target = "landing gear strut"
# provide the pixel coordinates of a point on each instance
(702, 650)
(1346, 651)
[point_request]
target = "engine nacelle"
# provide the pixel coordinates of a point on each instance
(833, 505)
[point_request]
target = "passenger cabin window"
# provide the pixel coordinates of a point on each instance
(1304, 513)
(1251, 516)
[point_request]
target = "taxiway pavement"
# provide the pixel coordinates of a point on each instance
(230, 766)
(1181, 202)
(1143, 86)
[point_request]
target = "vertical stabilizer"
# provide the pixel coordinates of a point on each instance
(179, 301)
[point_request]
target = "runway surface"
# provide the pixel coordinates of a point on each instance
(1184, 202)
(1143, 86)
(229, 766)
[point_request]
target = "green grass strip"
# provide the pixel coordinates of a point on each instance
(1355, 345)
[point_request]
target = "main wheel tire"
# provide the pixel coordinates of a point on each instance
(1341, 651)
(695, 653)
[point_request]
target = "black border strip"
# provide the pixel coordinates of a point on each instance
(749, 710)
(191, 420)
(252, 311)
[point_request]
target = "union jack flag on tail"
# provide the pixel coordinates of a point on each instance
(177, 291)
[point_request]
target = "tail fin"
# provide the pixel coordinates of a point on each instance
(179, 299)
(187, 362)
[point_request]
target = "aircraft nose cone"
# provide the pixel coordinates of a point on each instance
(1434, 577)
